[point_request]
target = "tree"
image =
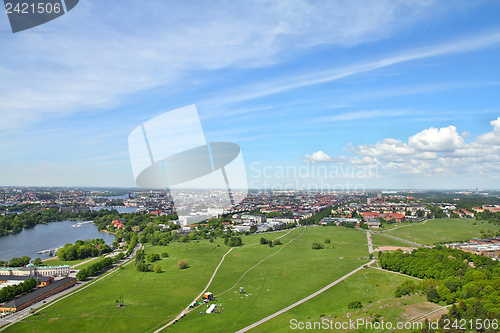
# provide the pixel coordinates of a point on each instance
(263, 241)
(253, 228)
(235, 241)
(277, 242)
(327, 241)
(158, 269)
(183, 264)
(152, 257)
(432, 295)
(316, 246)
(38, 262)
(164, 255)
(354, 305)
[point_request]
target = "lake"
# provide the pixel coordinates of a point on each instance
(47, 236)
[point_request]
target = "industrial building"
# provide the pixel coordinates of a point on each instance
(32, 270)
(24, 301)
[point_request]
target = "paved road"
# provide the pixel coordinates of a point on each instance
(369, 238)
(302, 300)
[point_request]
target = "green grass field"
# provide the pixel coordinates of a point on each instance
(56, 262)
(443, 230)
(378, 240)
(152, 299)
(374, 288)
(292, 274)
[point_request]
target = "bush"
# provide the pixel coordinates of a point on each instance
(277, 242)
(235, 241)
(327, 241)
(164, 255)
(354, 305)
(183, 264)
(317, 246)
(152, 257)
(158, 269)
(263, 241)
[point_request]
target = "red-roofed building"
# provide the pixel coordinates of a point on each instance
(118, 224)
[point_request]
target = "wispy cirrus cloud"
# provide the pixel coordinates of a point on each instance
(71, 66)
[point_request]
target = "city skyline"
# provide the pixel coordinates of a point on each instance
(387, 95)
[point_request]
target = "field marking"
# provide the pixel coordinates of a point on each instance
(186, 310)
(303, 300)
(257, 264)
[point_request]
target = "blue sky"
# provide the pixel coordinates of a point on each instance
(338, 95)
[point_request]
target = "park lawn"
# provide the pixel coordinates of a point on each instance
(290, 275)
(151, 299)
(373, 288)
(443, 230)
(57, 262)
(378, 240)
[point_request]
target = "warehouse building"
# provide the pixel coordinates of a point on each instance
(24, 301)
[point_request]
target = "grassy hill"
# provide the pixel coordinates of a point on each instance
(442, 230)
(291, 271)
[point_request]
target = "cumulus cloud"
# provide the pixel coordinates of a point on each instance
(432, 152)
(318, 157)
(445, 139)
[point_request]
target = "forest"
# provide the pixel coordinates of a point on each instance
(450, 276)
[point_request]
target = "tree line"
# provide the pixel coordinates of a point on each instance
(450, 276)
(98, 267)
(9, 292)
(83, 249)
(16, 222)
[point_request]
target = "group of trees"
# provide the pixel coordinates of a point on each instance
(449, 276)
(83, 249)
(233, 241)
(317, 217)
(9, 292)
(271, 243)
(486, 215)
(98, 267)
(143, 266)
(317, 246)
(17, 221)
(16, 262)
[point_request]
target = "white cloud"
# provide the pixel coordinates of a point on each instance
(318, 156)
(437, 140)
(432, 152)
(97, 55)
